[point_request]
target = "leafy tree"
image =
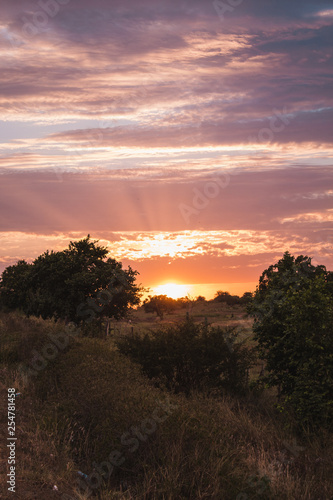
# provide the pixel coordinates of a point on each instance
(160, 304)
(226, 298)
(77, 284)
(293, 324)
(246, 298)
(14, 285)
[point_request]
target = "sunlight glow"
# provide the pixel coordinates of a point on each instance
(172, 290)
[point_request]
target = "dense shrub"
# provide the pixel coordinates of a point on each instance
(191, 356)
(226, 298)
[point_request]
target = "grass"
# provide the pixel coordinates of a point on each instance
(217, 314)
(76, 411)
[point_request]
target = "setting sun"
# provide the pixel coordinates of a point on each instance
(172, 290)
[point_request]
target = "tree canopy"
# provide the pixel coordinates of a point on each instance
(163, 304)
(293, 325)
(231, 300)
(78, 284)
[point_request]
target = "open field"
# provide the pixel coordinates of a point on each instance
(217, 314)
(77, 409)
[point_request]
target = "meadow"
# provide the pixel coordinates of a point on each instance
(92, 409)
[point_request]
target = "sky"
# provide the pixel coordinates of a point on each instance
(191, 137)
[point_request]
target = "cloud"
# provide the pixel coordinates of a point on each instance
(127, 111)
(190, 257)
(174, 62)
(278, 127)
(252, 199)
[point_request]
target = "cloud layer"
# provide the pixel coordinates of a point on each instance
(163, 117)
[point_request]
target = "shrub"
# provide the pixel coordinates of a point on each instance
(191, 356)
(91, 398)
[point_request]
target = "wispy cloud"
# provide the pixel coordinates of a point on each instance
(116, 113)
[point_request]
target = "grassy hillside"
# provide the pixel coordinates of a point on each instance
(91, 409)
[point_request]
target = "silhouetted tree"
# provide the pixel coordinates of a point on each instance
(15, 285)
(77, 284)
(226, 298)
(160, 304)
(246, 298)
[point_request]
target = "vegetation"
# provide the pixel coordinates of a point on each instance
(190, 356)
(293, 311)
(227, 298)
(77, 284)
(91, 402)
(179, 409)
(162, 304)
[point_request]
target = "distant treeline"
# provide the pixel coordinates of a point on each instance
(163, 304)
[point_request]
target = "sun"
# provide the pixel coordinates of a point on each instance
(172, 290)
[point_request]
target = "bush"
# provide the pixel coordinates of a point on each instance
(95, 401)
(191, 356)
(98, 389)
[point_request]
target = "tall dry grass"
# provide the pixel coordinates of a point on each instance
(76, 410)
